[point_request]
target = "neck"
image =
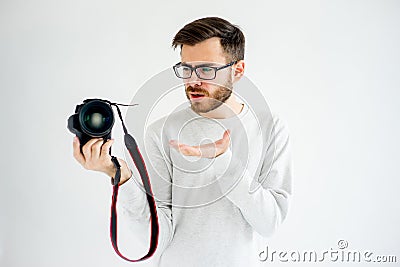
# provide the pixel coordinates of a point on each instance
(230, 108)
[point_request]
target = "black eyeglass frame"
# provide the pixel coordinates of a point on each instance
(201, 66)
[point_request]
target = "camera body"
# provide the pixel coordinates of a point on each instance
(92, 119)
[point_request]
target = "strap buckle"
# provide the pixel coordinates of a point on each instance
(117, 178)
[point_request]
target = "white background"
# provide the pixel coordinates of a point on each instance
(329, 68)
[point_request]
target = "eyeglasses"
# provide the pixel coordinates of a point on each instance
(203, 71)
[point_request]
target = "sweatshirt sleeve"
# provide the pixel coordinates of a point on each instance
(132, 202)
(265, 207)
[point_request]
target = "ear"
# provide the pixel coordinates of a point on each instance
(238, 70)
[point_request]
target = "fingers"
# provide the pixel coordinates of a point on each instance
(189, 150)
(209, 150)
(105, 148)
(226, 136)
(97, 149)
(226, 139)
(205, 150)
(95, 155)
(224, 142)
(185, 149)
(77, 151)
(92, 151)
(87, 148)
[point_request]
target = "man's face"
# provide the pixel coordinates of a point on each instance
(207, 95)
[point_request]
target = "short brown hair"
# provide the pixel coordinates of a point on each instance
(231, 37)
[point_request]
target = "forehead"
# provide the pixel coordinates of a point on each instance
(209, 50)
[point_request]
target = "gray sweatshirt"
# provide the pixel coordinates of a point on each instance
(211, 212)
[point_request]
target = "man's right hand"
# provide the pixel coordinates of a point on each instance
(95, 156)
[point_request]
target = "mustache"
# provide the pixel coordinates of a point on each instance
(191, 89)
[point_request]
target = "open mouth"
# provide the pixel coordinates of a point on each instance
(196, 96)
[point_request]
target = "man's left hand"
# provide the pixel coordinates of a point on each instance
(209, 150)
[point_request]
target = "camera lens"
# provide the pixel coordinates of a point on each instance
(96, 118)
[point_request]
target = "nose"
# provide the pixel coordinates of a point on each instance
(194, 80)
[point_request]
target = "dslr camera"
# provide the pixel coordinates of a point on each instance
(92, 119)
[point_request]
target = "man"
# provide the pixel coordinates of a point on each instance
(203, 161)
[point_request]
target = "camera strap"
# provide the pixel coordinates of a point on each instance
(137, 158)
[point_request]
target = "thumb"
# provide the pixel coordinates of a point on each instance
(227, 134)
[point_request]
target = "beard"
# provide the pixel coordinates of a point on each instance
(209, 101)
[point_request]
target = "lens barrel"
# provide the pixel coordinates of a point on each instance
(96, 118)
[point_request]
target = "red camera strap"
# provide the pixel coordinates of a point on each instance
(137, 158)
